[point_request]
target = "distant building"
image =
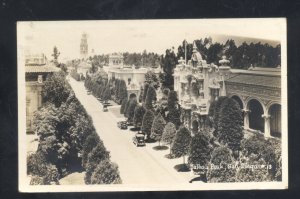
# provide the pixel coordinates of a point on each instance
(83, 67)
(133, 77)
(116, 60)
(36, 70)
(84, 46)
(35, 59)
(257, 91)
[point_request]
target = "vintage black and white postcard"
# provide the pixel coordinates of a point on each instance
(152, 105)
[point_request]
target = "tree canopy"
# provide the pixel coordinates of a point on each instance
(230, 124)
(157, 128)
(181, 143)
(139, 112)
(147, 123)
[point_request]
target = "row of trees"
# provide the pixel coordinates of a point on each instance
(142, 59)
(64, 130)
(242, 56)
(218, 154)
(99, 85)
(119, 91)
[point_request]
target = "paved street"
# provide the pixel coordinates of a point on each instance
(137, 165)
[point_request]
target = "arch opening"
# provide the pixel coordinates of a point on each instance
(239, 101)
(255, 116)
(132, 95)
(275, 120)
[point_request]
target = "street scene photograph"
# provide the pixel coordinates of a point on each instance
(146, 105)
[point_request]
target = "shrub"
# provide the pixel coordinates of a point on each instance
(139, 112)
(146, 86)
(195, 126)
(221, 167)
(106, 172)
(169, 134)
(43, 172)
(106, 94)
(174, 117)
(126, 107)
(90, 142)
(37, 180)
(124, 102)
(151, 97)
(56, 89)
(140, 98)
(122, 92)
(199, 152)
(257, 147)
(130, 109)
(255, 174)
(181, 143)
(216, 113)
(172, 100)
(157, 129)
(98, 154)
(230, 124)
(147, 123)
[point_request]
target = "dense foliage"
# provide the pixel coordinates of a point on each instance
(157, 128)
(168, 63)
(123, 106)
(199, 152)
(230, 124)
(169, 133)
(54, 90)
(147, 123)
(145, 59)
(181, 143)
(221, 168)
(66, 135)
(139, 112)
(152, 79)
(96, 157)
(151, 98)
(106, 172)
(145, 91)
(241, 56)
(130, 110)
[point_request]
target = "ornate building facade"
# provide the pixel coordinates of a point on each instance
(258, 92)
(35, 76)
(133, 77)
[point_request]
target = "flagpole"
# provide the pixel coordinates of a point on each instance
(185, 50)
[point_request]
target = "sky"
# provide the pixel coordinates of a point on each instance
(137, 35)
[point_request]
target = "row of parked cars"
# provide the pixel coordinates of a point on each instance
(138, 139)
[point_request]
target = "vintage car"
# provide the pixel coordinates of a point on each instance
(105, 109)
(139, 139)
(122, 124)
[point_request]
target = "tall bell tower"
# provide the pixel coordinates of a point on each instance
(84, 46)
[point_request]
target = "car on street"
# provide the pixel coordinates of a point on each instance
(105, 109)
(139, 139)
(122, 125)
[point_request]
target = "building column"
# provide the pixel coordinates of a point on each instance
(39, 95)
(267, 132)
(246, 118)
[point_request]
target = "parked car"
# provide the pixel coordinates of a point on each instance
(122, 125)
(89, 92)
(105, 109)
(139, 139)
